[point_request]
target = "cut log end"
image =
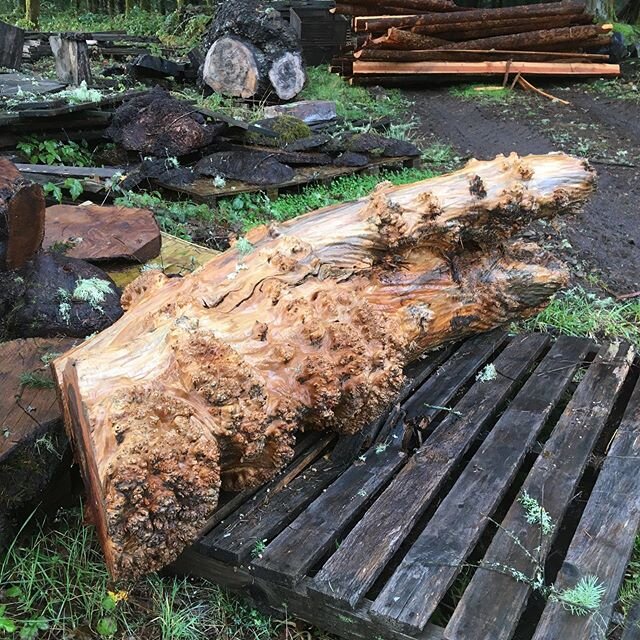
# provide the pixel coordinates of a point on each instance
(231, 67)
(287, 75)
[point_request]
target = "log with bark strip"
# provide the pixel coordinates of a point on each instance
(251, 52)
(205, 380)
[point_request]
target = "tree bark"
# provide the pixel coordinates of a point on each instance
(477, 16)
(204, 381)
(423, 6)
(468, 31)
(404, 40)
(534, 39)
(252, 52)
(22, 216)
(388, 55)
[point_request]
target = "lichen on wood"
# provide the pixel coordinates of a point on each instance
(205, 380)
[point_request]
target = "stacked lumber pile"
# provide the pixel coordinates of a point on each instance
(435, 37)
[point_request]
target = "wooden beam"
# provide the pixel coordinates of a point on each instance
(487, 68)
(471, 55)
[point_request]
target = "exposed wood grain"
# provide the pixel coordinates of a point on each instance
(95, 233)
(552, 481)
(413, 592)
(346, 577)
(26, 410)
(488, 68)
(309, 329)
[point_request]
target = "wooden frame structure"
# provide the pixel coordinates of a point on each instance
(372, 548)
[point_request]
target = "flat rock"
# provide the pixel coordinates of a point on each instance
(95, 233)
(309, 111)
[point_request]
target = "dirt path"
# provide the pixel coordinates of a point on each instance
(603, 243)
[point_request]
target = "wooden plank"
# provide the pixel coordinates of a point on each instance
(603, 541)
(421, 580)
(11, 84)
(262, 519)
(497, 67)
(552, 481)
(26, 411)
(72, 172)
(438, 390)
(228, 506)
(296, 549)
(11, 42)
(285, 603)
(352, 569)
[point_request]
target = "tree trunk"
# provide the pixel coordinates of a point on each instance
(204, 381)
(252, 52)
(22, 216)
(463, 55)
(534, 39)
(404, 40)
(468, 31)
(33, 13)
(477, 16)
(602, 9)
(71, 55)
(423, 6)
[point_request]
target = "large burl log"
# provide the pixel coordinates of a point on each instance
(205, 380)
(252, 52)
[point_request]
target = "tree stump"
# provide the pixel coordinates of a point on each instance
(71, 53)
(252, 52)
(204, 381)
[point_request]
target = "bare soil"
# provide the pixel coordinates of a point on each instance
(602, 124)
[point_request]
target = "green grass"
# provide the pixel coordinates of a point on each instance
(577, 312)
(481, 94)
(353, 103)
(244, 211)
(35, 380)
(630, 591)
(249, 210)
(54, 584)
(630, 32)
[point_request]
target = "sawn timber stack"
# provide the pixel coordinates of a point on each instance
(550, 39)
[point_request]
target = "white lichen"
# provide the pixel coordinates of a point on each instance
(535, 513)
(92, 291)
(487, 374)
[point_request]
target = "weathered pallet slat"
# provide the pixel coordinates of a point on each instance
(423, 577)
(371, 549)
(552, 481)
(236, 538)
(361, 557)
(294, 551)
(452, 376)
(602, 544)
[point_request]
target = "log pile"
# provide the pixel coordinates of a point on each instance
(205, 380)
(421, 38)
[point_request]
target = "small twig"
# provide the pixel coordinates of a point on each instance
(527, 86)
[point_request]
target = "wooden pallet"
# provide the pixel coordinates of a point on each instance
(371, 549)
(202, 189)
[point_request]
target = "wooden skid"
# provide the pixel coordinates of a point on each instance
(371, 548)
(202, 190)
(498, 67)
